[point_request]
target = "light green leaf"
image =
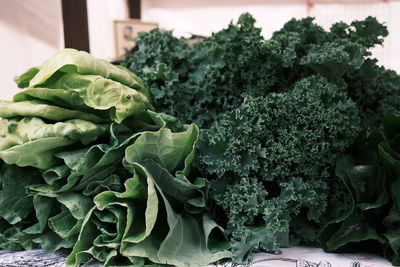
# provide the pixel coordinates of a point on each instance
(168, 149)
(24, 79)
(32, 142)
(36, 108)
(73, 61)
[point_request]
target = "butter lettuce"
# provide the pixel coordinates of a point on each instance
(89, 165)
(87, 84)
(32, 142)
(129, 225)
(74, 61)
(41, 109)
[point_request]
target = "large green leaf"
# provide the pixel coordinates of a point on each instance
(88, 168)
(132, 222)
(371, 176)
(71, 60)
(32, 142)
(173, 151)
(36, 108)
(366, 185)
(60, 97)
(100, 93)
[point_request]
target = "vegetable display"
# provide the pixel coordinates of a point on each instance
(273, 158)
(229, 145)
(215, 75)
(88, 165)
(278, 115)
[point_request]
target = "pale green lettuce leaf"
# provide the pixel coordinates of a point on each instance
(164, 147)
(10, 109)
(100, 93)
(188, 237)
(24, 79)
(60, 97)
(32, 142)
(74, 61)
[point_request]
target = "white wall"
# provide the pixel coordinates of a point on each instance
(207, 16)
(101, 14)
(30, 32)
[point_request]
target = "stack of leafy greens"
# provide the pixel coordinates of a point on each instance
(87, 164)
(371, 175)
(278, 116)
(300, 145)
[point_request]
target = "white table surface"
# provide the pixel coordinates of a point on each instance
(287, 257)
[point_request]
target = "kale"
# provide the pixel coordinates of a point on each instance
(224, 69)
(276, 154)
(276, 115)
(376, 91)
(161, 61)
(201, 82)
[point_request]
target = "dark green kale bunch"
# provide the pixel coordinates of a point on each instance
(161, 60)
(273, 158)
(230, 63)
(201, 82)
(277, 115)
(343, 56)
(376, 91)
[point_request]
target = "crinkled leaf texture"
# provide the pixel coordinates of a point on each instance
(74, 61)
(30, 220)
(94, 84)
(273, 158)
(32, 142)
(35, 108)
(92, 169)
(372, 177)
(129, 226)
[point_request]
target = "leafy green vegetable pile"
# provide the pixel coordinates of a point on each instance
(87, 164)
(300, 144)
(279, 115)
(371, 175)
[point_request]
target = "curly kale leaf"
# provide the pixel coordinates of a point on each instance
(376, 91)
(368, 32)
(286, 144)
(286, 134)
(333, 59)
(160, 60)
(308, 32)
(231, 62)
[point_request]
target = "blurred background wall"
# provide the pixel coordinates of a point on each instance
(32, 30)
